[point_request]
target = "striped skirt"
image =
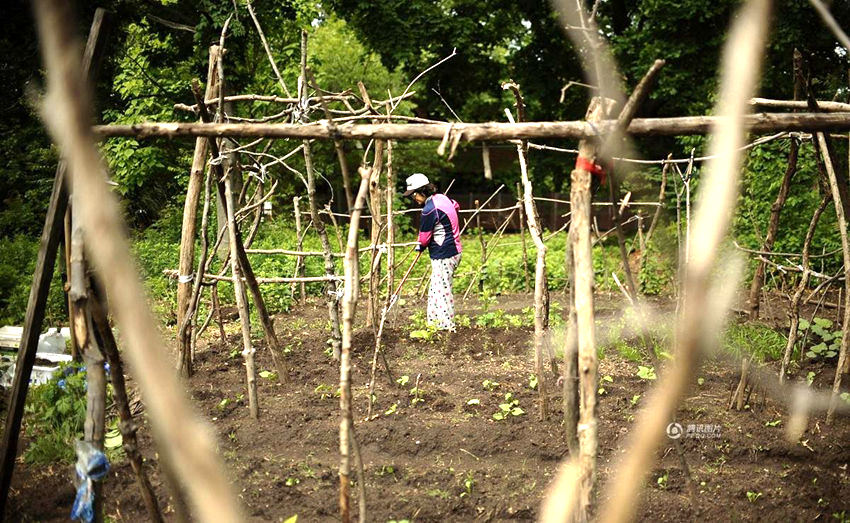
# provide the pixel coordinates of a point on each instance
(441, 302)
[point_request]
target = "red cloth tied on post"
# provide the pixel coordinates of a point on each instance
(595, 169)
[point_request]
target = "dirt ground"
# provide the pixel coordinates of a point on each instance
(443, 459)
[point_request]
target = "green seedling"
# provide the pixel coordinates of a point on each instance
(662, 480)
(223, 403)
(417, 394)
(646, 373)
(291, 481)
(386, 470)
(324, 391)
(509, 408)
(605, 379)
(268, 375)
(393, 408)
(532, 382)
(635, 399)
(468, 484)
(490, 385)
(753, 496)
(773, 423)
(403, 380)
(810, 378)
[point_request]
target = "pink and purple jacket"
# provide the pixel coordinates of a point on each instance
(439, 228)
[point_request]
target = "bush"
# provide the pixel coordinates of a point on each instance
(17, 264)
(56, 413)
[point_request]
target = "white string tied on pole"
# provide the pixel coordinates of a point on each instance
(185, 278)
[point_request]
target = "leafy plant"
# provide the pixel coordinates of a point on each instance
(403, 380)
(646, 373)
(490, 385)
(468, 484)
(268, 375)
(829, 342)
(662, 480)
(753, 496)
(56, 413)
(417, 394)
(509, 408)
(532, 382)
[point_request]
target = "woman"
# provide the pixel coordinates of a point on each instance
(439, 231)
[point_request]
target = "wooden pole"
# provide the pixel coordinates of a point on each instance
(841, 368)
(480, 235)
(781, 197)
(522, 237)
(375, 211)
(299, 262)
(585, 329)
(190, 206)
(760, 123)
(241, 299)
(331, 293)
(127, 426)
(794, 308)
(225, 193)
(390, 225)
(541, 289)
(185, 361)
(45, 262)
(349, 305)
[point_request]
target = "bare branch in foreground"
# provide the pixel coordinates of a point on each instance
(185, 443)
(741, 65)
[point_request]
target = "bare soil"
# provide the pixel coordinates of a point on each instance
(443, 459)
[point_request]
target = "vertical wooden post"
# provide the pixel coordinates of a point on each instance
(241, 299)
(349, 305)
(75, 348)
(330, 268)
(483, 246)
(299, 261)
(541, 284)
(841, 368)
(190, 206)
(794, 308)
(522, 237)
(580, 199)
(128, 425)
(390, 225)
(570, 373)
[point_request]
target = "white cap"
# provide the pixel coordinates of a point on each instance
(415, 181)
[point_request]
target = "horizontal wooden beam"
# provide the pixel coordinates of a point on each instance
(485, 132)
(834, 107)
